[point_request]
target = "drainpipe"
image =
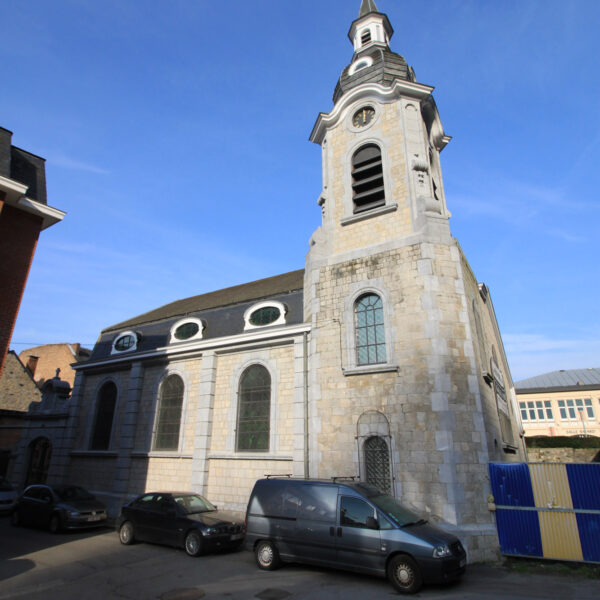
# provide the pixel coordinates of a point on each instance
(305, 366)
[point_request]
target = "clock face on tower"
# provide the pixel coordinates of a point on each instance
(363, 116)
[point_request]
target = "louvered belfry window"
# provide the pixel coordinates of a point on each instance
(367, 178)
(370, 330)
(377, 463)
(170, 403)
(105, 410)
(254, 410)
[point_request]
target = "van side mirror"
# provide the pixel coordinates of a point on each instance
(372, 523)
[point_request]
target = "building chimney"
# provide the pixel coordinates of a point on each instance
(32, 362)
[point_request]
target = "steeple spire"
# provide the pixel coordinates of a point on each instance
(366, 7)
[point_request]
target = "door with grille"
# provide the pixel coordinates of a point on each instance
(377, 463)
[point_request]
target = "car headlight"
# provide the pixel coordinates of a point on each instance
(211, 531)
(73, 513)
(441, 552)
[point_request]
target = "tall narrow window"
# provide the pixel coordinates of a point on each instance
(367, 178)
(170, 402)
(370, 332)
(377, 463)
(103, 420)
(365, 37)
(254, 407)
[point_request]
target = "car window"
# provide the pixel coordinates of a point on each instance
(72, 492)
(318, 502)
(33, 492)
(145, 502)
(354, 512)
(193, 503)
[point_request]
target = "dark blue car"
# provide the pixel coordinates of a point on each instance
(181, 519)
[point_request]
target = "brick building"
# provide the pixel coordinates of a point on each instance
(24, 212)
(381, 359)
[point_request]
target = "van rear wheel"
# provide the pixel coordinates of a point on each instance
(267, 556)
(404, 574)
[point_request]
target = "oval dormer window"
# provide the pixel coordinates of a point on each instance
(265, 313)
(126, 342)
(265, 316)
(187, 330)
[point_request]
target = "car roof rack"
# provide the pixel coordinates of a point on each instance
(343, 478)
(269, 475)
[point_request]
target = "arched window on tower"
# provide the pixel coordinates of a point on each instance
(367, 178)
(377, 463)
(370, 330)
(168, 418)
(254, 408)
(103, 420)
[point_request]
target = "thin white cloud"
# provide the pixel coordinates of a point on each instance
(60, 160)
(534, 354)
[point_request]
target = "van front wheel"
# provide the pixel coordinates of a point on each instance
(267, 556)
(404, 574)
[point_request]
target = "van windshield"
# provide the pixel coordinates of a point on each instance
(401, 515)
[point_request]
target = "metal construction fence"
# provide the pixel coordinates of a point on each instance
(548, 510)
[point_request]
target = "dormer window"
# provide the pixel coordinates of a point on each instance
(365, 37)
(367, 178)
(264, 314)
(186, 330)
(125, 342)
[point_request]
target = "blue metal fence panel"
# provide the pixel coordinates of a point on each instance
(519, 532)
(584, 480)
(511, 484)
(589, 535)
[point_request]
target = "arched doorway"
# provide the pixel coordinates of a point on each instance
(40, 452)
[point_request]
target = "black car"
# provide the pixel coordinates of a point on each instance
(181, 519)
(58, 507)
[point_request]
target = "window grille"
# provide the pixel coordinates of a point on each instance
(170, 404)
(254, 407)
(370, 331)
(377, 463)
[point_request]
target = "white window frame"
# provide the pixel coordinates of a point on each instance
(265, 304)
(122, 335)
(197, 336)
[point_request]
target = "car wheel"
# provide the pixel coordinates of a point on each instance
(15, 518)
(54, 524)
(193, 543)
(267, 556)
(404, 574)
(126, 534)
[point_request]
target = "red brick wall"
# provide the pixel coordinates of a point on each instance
(19, 233)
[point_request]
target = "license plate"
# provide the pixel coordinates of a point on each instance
(94, 518)
(237, 536)
(463, 562)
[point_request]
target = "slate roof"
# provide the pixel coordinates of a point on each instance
(561, 380)
(366, 7)
(262, 288)
(386, 68)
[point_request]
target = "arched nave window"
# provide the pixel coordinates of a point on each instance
(254, 407)
(103, 419)
(377, 463)
(168, 418)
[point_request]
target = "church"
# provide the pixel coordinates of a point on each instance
(380, 360)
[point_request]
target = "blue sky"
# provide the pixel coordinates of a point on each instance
(176, 139)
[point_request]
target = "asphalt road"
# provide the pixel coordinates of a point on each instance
(35, 564)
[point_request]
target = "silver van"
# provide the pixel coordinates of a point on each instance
(349, 525)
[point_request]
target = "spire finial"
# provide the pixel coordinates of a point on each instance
(366, 7)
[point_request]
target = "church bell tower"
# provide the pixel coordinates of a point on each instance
(401, 337)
